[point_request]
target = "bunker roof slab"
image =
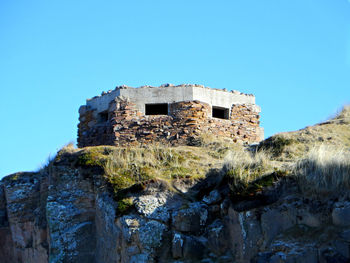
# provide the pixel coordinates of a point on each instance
(169, 93)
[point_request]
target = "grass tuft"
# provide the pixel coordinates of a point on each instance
(242, 168)
(324, 171)
(92, 157)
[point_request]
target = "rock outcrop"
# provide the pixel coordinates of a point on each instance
(68, 213)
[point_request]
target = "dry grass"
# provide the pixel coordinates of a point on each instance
(291, 146)
(209, 140)
(249, 172)
(69, 148)
(159, 161)
(125, 166)
(245, 166)
(343, 114)
(46, 165)
(218, 146)
(324, 171)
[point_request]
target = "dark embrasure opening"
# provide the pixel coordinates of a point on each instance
(103, 117)
(221, 113)
(157, 109)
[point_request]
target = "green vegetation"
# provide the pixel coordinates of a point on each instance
(93, 157)
(126, 166)
(244, 190)
(312, 155)
(124, 206)
(317, 156)
(275, 144)
(15, 176)
(249, 172)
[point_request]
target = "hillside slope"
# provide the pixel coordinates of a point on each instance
(216, 202)
(292, 145)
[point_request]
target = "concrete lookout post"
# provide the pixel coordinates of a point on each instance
(170, 114)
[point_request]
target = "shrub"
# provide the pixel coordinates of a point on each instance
(324, 171)
(275, 144)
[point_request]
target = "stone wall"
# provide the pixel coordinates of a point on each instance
(124, 125)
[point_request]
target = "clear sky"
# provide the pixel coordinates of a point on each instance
(294, 55)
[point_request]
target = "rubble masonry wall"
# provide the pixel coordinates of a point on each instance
(127, 125)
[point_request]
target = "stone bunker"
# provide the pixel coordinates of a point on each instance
(168, 114)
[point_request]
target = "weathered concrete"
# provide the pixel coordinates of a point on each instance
(170, 94)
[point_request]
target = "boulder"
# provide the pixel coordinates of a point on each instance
(217, 237)
(152, 207)
(213, 197)
(341, 214)
(191, 219)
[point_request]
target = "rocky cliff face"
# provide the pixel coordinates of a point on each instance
(68, 213)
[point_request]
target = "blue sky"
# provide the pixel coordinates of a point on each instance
(293, 55)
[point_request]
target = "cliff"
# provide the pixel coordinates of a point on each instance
(185, 204)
